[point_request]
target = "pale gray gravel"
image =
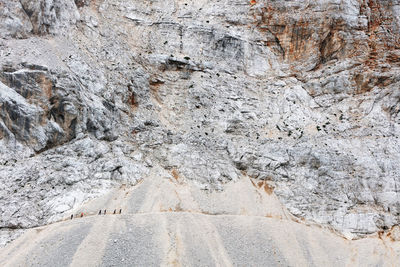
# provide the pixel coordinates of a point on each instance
(59, 249)
(134, 247)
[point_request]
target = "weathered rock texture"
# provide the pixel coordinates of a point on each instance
(171, 222)
(302, 94)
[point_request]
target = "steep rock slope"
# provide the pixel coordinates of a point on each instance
(301, 94)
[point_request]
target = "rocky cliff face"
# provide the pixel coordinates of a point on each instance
(301, 94)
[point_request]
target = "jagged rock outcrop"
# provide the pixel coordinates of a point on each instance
(22, 18)
(300, 94)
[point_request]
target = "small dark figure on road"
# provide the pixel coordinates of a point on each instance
(115, 211)
(120, 211)
(105, 211)
(99, 212)
(72, 216)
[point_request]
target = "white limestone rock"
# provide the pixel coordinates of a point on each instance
(303, 94)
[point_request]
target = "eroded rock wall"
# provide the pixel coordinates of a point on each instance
(301, 94)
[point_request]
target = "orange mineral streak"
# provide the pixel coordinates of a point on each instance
(267, 188)
(294, 35)
(175, 174)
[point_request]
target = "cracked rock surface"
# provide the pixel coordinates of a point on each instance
(301, 95)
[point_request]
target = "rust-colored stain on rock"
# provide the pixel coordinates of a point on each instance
(132, 101)
(305, 36)
(175, 174)
(267, 188)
